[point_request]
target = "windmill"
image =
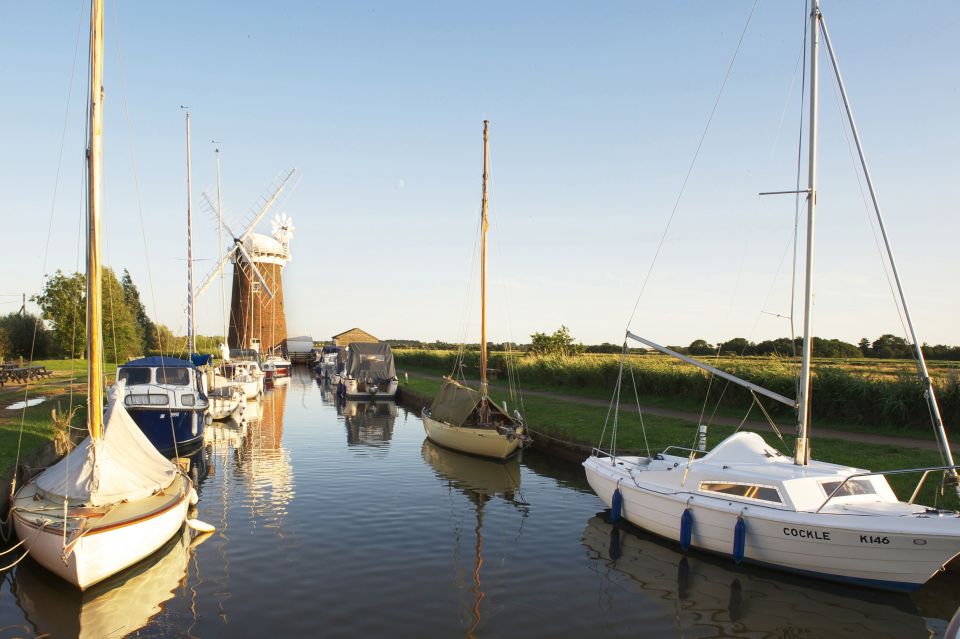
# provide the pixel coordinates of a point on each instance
(257, 317)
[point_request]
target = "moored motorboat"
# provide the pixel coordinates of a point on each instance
(369, 372)
(165, 398)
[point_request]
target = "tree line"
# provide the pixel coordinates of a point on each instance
(60, 329)
(562, 343)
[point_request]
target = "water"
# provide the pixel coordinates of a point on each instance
(25, 404)
(351, 525)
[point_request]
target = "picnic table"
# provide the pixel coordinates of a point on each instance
(22, 374)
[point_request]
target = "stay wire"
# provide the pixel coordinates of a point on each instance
(693, 162)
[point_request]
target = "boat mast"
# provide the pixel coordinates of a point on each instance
(483, 262)
(191, 340)
(223, 306)
(802, 454)
(94, 180)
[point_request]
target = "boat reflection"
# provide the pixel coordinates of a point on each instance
(368, 423)
(113, 608)
(480, 481)
(710, 597)
(263, 462)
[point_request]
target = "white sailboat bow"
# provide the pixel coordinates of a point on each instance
(745, 499)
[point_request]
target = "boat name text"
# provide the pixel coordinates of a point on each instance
(806, 534)
(874, 539)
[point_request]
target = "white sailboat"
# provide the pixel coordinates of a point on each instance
(460, 417)
(114, 499)
(746, 499)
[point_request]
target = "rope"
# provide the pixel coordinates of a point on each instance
(696, 154)
(643, 428)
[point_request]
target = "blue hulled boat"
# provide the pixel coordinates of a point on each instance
(165, 397)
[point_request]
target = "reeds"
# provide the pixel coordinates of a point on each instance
(841, 394)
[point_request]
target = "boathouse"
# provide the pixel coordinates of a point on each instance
(354, 336)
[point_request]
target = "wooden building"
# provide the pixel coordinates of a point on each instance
(354, 336)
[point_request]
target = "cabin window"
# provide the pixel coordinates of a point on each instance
(135, 375)
(852, 487)
(173, 376)
(748, 491)
(157, 399)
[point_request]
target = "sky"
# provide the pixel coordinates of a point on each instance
(596, 114)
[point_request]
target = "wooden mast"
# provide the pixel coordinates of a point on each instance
(483, 262)
(94, 184)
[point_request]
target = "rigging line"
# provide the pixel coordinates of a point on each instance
(796, 203)
(696, 154)
(53, 204)
(636, 395)
(136, 173)
(866, 209)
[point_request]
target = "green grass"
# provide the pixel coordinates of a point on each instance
(857, 394)
(583, 425)
(35, 422)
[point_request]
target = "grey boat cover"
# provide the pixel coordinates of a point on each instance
(456, 404)
(370, 362)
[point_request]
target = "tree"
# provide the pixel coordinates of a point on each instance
(63, 303)
(560, 343)
(864, 346)
(891, 347)
(737, 345)
(24, 336)
(700, 347)
(131, 295)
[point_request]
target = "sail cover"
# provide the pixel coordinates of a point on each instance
(122, 466)
(454, 403)
(370, 362)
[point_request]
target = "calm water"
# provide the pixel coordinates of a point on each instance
(346, 523)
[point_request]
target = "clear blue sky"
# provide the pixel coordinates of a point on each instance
(595, 110)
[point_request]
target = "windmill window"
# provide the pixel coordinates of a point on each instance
(255, 287)
(748, 491)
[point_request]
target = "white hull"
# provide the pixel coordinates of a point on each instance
(358, 390)
(891, 552)
(486, 442)
(126, 534)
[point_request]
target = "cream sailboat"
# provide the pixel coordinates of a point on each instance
(460, 417)
(745, 499)
(114, 499)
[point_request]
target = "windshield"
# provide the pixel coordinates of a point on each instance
(173, 376)
(135, 375)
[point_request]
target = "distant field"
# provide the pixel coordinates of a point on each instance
(861, 392)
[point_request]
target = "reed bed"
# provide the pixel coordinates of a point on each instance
(887, 395)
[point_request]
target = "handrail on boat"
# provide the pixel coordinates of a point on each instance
(916, 491)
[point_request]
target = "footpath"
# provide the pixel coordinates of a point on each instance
(755, 425)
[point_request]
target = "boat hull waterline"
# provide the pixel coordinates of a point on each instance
(892, 553)
(486, 442)
(108, 542)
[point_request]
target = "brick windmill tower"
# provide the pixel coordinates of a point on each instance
(257, 317)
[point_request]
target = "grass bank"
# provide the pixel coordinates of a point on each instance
(850, 393)
(583, 425)
(26, 429)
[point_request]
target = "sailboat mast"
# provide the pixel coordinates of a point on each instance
(94, 184)
(483, 261)
(191, 339)
(223, 306)
(802, 454)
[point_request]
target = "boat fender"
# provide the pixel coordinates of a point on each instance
(194, 498)
(739, 539)
(616, 505)
(686, 529)
(200, 526)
